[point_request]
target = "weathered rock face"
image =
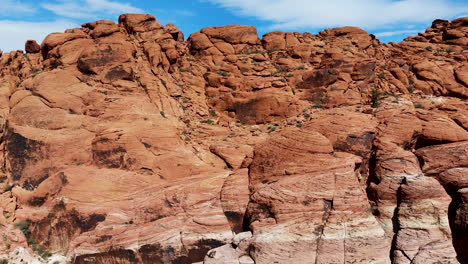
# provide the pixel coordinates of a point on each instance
(123, 143)
(31, 46)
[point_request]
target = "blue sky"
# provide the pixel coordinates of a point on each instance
(390, 20)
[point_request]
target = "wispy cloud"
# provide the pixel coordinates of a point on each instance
(398, 32)
(67, 14)
(89, 9)
(368, 14)
(14, 7)
(20, 31)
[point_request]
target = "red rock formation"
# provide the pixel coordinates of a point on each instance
(123, 143)
(31, 46)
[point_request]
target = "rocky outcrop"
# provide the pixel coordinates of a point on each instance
(31, 46)
(124, 143)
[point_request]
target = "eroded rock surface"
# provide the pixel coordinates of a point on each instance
(125, 143)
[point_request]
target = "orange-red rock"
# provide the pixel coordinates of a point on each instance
(124, 143)
(31, 46)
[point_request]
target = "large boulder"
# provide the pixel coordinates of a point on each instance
(31, 46)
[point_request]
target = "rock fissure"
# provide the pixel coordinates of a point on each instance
(396, 224)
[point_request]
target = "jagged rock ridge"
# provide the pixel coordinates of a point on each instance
(123, 143)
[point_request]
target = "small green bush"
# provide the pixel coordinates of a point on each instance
(7, 188)
(271, 127)
(23, 226)
(382, 76)
(208, 121)
(223, 73)
(281, 70)
(420, 106)
(257, 52)
(318, 104)
(42, 252)
(410, 89)
(213, 113)
(272, 50)
(376, 95)
(162, 114)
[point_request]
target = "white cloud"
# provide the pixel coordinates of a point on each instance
(90, 9)
(398, 32)
(17, 32)
(68, 13)
(14, 7)
(368, 14)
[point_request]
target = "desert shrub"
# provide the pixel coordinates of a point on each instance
(223, 73)
(213, 113)
(209, 122)
(376, 97)
(272, 50)
(257, 52)
(420, 106)
(23, 226)
(7, 188)
(281, 70)
(293, 90)
(271, 127)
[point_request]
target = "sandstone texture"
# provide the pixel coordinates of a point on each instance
(125, 143)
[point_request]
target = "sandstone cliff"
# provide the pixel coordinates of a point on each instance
(124, 143)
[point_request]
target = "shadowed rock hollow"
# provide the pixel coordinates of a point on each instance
(124, 143)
